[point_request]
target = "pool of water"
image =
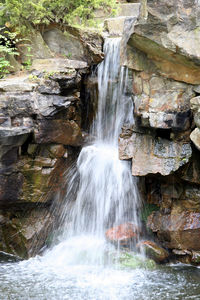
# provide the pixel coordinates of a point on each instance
(37, 279)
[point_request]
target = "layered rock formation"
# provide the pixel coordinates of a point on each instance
(41, 124)
(164, 56)
(40, 136)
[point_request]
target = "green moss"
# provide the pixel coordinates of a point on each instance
(135, 261)
(147, 211)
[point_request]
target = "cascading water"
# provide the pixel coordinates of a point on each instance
(101, 193)
(107, 194)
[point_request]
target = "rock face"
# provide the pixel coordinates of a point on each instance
(195, 135)
(162, 103)
(151, 155)
(164, 56)
(74, 43)
(181, 230)
(169, 39)
(40, 122)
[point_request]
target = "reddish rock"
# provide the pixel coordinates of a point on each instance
(154, 251)
(122, 233)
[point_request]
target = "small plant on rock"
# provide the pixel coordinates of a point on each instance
(7, 48)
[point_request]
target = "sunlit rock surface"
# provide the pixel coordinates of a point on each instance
(161, 103)
(151, 155)
(169, 37)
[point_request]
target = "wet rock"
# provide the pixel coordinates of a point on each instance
(10, 188)
(42, 178)
(6, 257)
(122, 234)
(58, 131)
(195, 257)
(36, 229)
(153, 155)
(26, 233)
(57, 150)
(115, 26)
(191, 172)
(134, 261)
(178, 230)
(154, 251)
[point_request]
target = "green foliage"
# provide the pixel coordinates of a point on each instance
(19, 12)
(135, 261)
(147, 211)
(7, 48)
(28, 61)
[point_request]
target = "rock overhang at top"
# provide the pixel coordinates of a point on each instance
(170, 39)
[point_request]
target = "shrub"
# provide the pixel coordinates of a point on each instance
(19, 12)
(7, 48)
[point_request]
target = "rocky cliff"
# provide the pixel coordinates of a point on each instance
(163, 55)
(42, 115)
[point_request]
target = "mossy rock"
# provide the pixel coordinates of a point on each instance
(135, 261)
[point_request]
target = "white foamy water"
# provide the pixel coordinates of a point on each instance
(107, 193)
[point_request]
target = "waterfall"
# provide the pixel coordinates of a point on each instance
(106, 192)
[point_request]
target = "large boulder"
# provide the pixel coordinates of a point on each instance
(122, 234)
(74, 43)
(33, 47)
(154, 251)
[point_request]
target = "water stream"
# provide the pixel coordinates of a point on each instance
(80, 265)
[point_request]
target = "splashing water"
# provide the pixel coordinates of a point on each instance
(107, 194)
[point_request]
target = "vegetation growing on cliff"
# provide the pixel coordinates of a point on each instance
(7, 48)
(19, 12)
(18, 17)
